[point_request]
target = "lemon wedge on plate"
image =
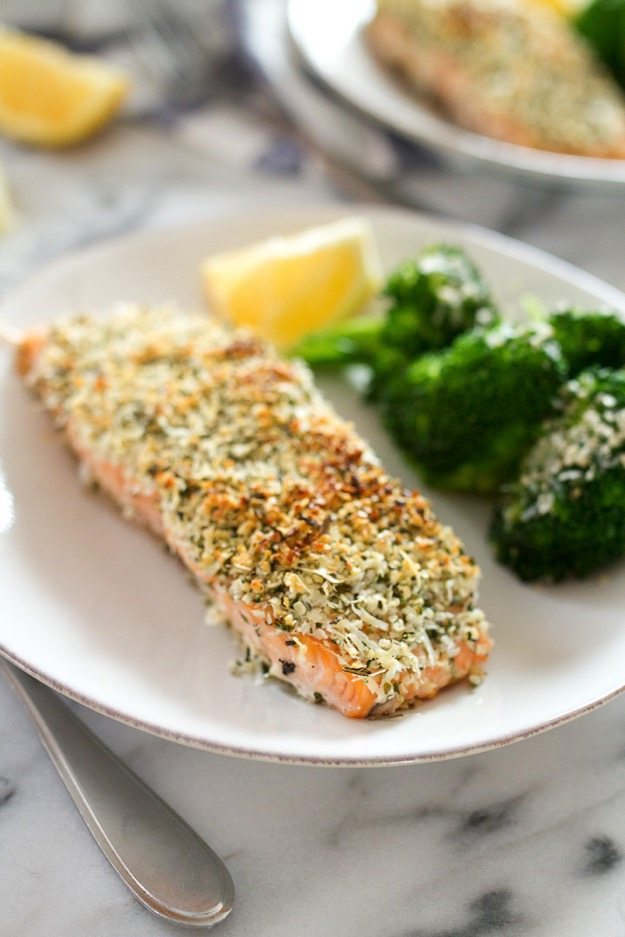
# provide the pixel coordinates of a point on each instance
(285, 287)
(51, 97)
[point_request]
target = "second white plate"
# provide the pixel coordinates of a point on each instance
(338, 56)
(96, 608)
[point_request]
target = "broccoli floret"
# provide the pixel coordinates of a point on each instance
(565, 515)
(589, 338)
(602, 24)
(386, 365)
(466, 415)
(434, 298)
(353, 341)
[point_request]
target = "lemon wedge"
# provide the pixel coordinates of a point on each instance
(286, 287)
(50, 97)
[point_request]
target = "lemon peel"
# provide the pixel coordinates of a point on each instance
(286, 287)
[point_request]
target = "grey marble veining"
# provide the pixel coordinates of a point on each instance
(128, 179)
(527, 840)
(524, 840)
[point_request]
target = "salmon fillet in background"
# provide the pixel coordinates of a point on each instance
(508, 69)
(336, 579)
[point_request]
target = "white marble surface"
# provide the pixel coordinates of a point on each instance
(527, 840)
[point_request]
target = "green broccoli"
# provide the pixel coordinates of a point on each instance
(352, 341)
(565, 515)
(589, 338)
(433, 298)
(602, 23)
(466, 415)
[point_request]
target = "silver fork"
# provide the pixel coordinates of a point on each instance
(164, 863)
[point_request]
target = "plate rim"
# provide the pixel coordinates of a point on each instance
(328, 209)
(251, 754)
(456, 143)
(500, 243)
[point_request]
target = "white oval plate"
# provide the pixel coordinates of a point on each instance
(339, 57)
(97, 609)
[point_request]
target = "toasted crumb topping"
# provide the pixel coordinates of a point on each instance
(277, 500)
(588, 440)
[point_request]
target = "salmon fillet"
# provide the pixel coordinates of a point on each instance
(337, 579)
(508, 69)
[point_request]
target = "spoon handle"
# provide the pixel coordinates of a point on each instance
(161, 859)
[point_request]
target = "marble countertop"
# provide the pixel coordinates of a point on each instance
(527, 840)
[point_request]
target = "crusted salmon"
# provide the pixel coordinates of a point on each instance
(336, 579)
(504, 68)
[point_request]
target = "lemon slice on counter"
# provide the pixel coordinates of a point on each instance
(51, 97)
(286, 287)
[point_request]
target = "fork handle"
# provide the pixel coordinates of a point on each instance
(160, 858)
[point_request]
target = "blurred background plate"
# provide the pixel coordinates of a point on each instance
(363, 160)
(328, 36)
